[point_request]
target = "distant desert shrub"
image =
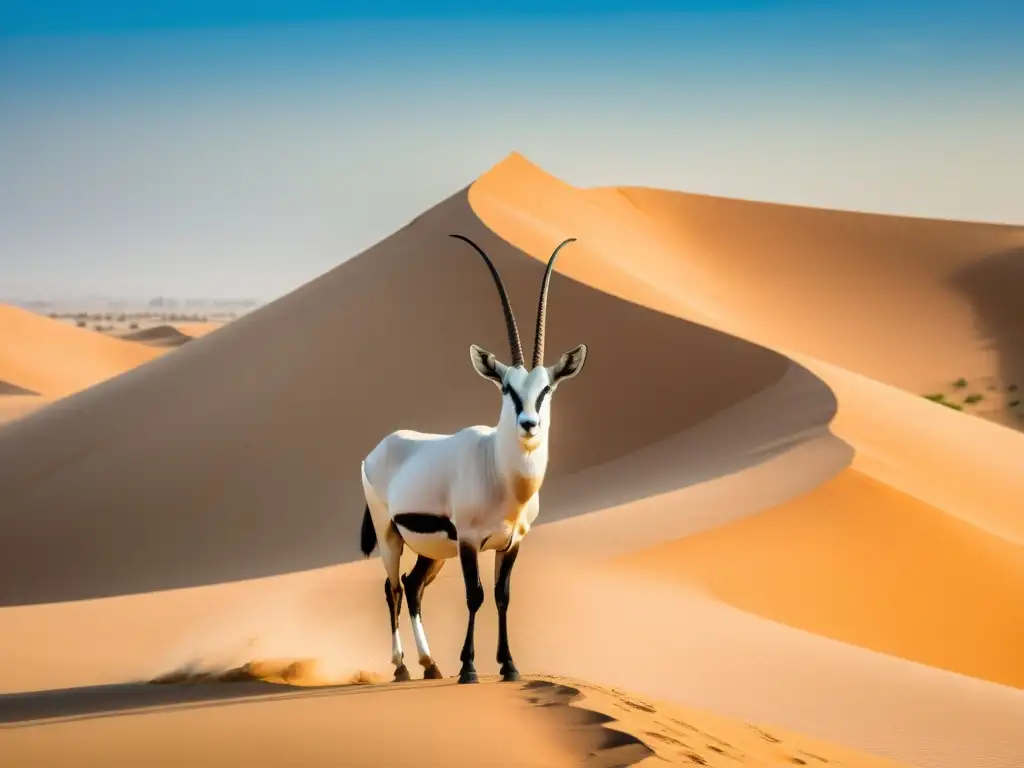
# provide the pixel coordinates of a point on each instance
(80, 323)
(960, 383)
(1012, 388)
(133, 326)
(1013, 403)
(974, 398)
(940, 398)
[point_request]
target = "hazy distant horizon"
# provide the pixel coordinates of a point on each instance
(245, 150)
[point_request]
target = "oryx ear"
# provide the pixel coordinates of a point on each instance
(568, 365)
(486, 364)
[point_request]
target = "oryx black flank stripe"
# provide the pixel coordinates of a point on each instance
(419, 522)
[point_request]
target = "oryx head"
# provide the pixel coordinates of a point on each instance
(526, 392)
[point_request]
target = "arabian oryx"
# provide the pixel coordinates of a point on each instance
(461, 494)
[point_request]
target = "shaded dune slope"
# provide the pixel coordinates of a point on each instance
(14, 390)
(55, 359)
(178, 473)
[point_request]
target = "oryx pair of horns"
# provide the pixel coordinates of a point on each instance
(510, 321)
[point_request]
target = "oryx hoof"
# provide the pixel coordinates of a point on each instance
(431, 672)
(509, 673)
(402, 674)
(468, 675)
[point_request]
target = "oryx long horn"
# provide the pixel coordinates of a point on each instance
(510, 321)
(538, 340)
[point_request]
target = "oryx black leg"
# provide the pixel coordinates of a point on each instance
(416, 582)
(503, 562)
(393, 594)
(474, 599)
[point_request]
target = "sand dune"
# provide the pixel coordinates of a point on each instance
(750, 508)
(195, 329)
(158, 336)
(15, 406)
(953, 595)
(251, 400)
(557, 722)
(14, 390)
(55, 359)
(884, 296)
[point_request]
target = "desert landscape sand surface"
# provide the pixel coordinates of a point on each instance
(53, 359)
(57, 358)
(752, 510)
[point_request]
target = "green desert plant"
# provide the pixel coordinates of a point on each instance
(960, 383)
(1013, 403)
(940, 398)
(972, 399)
(1012, 388)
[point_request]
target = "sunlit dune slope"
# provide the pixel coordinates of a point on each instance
(55, 359)
(858, 561)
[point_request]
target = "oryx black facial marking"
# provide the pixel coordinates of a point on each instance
(540, 398)
(423, 523)
(516, 400)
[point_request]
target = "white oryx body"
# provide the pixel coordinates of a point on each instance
(475, 490)
(462, 477)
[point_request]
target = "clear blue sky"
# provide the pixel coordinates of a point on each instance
(245, 147)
